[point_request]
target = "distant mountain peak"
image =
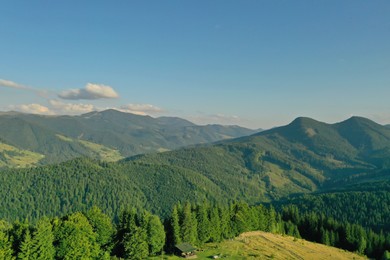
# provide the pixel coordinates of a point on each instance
(304, 121)
(359, 120)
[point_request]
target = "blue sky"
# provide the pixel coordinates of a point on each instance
(252, 63)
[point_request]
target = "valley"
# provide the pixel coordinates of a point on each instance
(331, 170)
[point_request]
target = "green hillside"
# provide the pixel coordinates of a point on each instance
(303, 157)
(105, 135)
(263, 245)
(13, 157)
(367, 204)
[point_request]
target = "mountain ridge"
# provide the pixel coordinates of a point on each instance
(263, 167)
(128, 133)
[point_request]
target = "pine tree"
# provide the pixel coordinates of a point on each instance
(188, 225)
(127, 223)
(25, 251)
(6, 250)
(242, 218)
(224, 216)
(156, 235)
(174, 228)
(101, 225)
(271, 225)
(135, 241)
(325, 238)
(17, 233)
(76, 239)
(215, 225)
(262, 218)
(43, 239)
(203, 223)
(135, 244)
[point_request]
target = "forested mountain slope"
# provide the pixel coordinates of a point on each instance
(367, 204)
(302, 157)
(60, 138)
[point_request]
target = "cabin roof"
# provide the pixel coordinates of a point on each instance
(185, 247)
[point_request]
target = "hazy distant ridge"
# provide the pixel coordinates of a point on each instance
(59, 138)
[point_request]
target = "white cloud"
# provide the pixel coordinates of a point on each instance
(140, 109)
(91, 91)
(11, 84)
(33, 109)
(71, 108)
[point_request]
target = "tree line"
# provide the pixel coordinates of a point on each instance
(368, 206)
(137, 234)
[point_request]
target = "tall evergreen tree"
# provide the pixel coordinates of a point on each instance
(261, 217)
(224, 216)
(155, 234)
(25, 251)
(174, 224)
(76, 239)
(272, 224)
(135, 239)
(43, 239)
(242, 217)
(203, 223)
(135, 244)
(6, 250)
(215, 225)
(189, 225)
(127, 222)
(17, 232)
(101, 225)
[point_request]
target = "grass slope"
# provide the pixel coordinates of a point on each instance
(98, 151)
(13, 157)
(262, 245)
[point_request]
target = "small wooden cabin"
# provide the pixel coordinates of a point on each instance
(186, 250)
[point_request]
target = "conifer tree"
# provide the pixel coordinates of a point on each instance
(43, 239)
(135, 240)
(175, 227)
(76, 239)
(135, 244)
(127, 223)
(203, 223)
(224, 216)
(325, 237)
(17, 233)
(101, 225)
(215, 225)
(6, 250)
(242, 218)
(156, 235)
(5, 247)
(25, 251)
(271, 225)
(189, 225)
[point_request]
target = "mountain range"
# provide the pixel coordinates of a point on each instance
(304, 156)
(110, 135)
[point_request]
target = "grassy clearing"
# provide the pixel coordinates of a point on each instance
(262, 245)
(102, 152)
(64, 138)
(11, 156)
